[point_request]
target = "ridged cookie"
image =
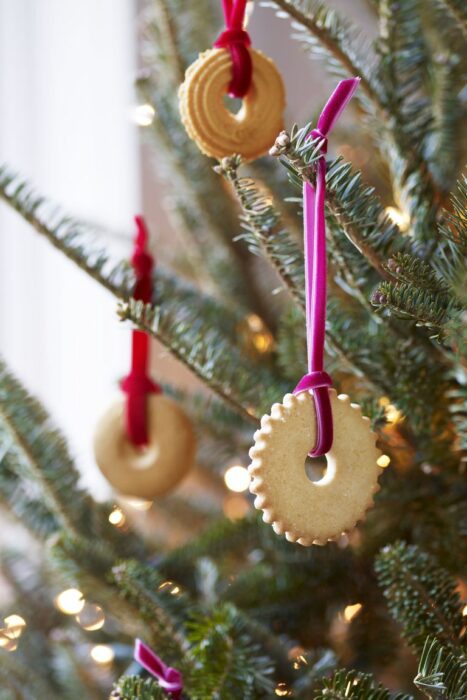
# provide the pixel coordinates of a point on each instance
(313, 512)
(217, 131)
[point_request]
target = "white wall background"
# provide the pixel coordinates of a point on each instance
(67, 70)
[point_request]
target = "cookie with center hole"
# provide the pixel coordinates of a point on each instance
(219, 132)
(313, 512)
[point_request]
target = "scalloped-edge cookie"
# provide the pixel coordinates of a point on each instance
(313, 512)
(219, 132)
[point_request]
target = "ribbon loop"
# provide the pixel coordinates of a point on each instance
(138, 383)
(316, 380)
(168, 678)
(237, 40)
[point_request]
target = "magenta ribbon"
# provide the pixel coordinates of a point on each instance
(237, 40)
(317, 380)
(168, 678)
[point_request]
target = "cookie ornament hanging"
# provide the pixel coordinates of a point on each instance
(314, 415)
(232, 67)
(144, 444)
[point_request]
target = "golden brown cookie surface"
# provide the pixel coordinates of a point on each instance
(217, 131)
(313, 512)
(153, 470)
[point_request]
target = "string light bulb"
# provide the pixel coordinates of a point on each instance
(70, 601)
(383, 461)
(143, 115)
(15, 626)
(117, 517)
(91, 617)
(399, 217)
(237, 478)
(283, 690)
(102, 654)
(351, 611)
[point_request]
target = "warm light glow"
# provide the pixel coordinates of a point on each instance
(383, 461)
(464, 611)
(255, 323)
(235, 507)
(143, 115)
(393, 415)
(237, 478)
(117, 517)
(102, 654)
(299, 662)
(170, 587)
(261, 339)
(70, 602)
(384, 401)
(15, 625)
(262, 342)
(398, 217)
(352, 610)
(282, 690)
(91, 617)
(138, 503)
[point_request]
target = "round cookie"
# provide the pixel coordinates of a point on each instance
(217, 131)
(152, 470)
(313, 512)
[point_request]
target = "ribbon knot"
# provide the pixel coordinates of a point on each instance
(314, 221)
(237, 40)
(169, 678)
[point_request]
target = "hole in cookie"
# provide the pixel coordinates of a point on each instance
(233, 104)
(141, 458)
(319, 470)
(315, 468)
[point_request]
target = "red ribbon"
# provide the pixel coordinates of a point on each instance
(138, 383)
(316, 379)
(169, 678)
(237, 40)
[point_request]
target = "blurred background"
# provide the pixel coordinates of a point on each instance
(71, 122)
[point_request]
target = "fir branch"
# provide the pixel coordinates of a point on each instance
(228, 664)
(407, 268)
(406, 301)
(37, 451)
(353, 208)
(198, 330)
(161, 609)
(445, 153)
(72, 237)
(421, 595)
(353, 685)
(246, 386)
(404, 58)
(262, 229)
(321, 31)
(137, 688)
(455, 10)
(442, 674)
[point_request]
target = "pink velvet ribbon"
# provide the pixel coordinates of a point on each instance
(138, 384)
(168, 678)
(317, 380)
(237, 40)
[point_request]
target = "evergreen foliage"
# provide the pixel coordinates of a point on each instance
(241, 612)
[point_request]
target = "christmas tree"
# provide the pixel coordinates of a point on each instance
(236, 610)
